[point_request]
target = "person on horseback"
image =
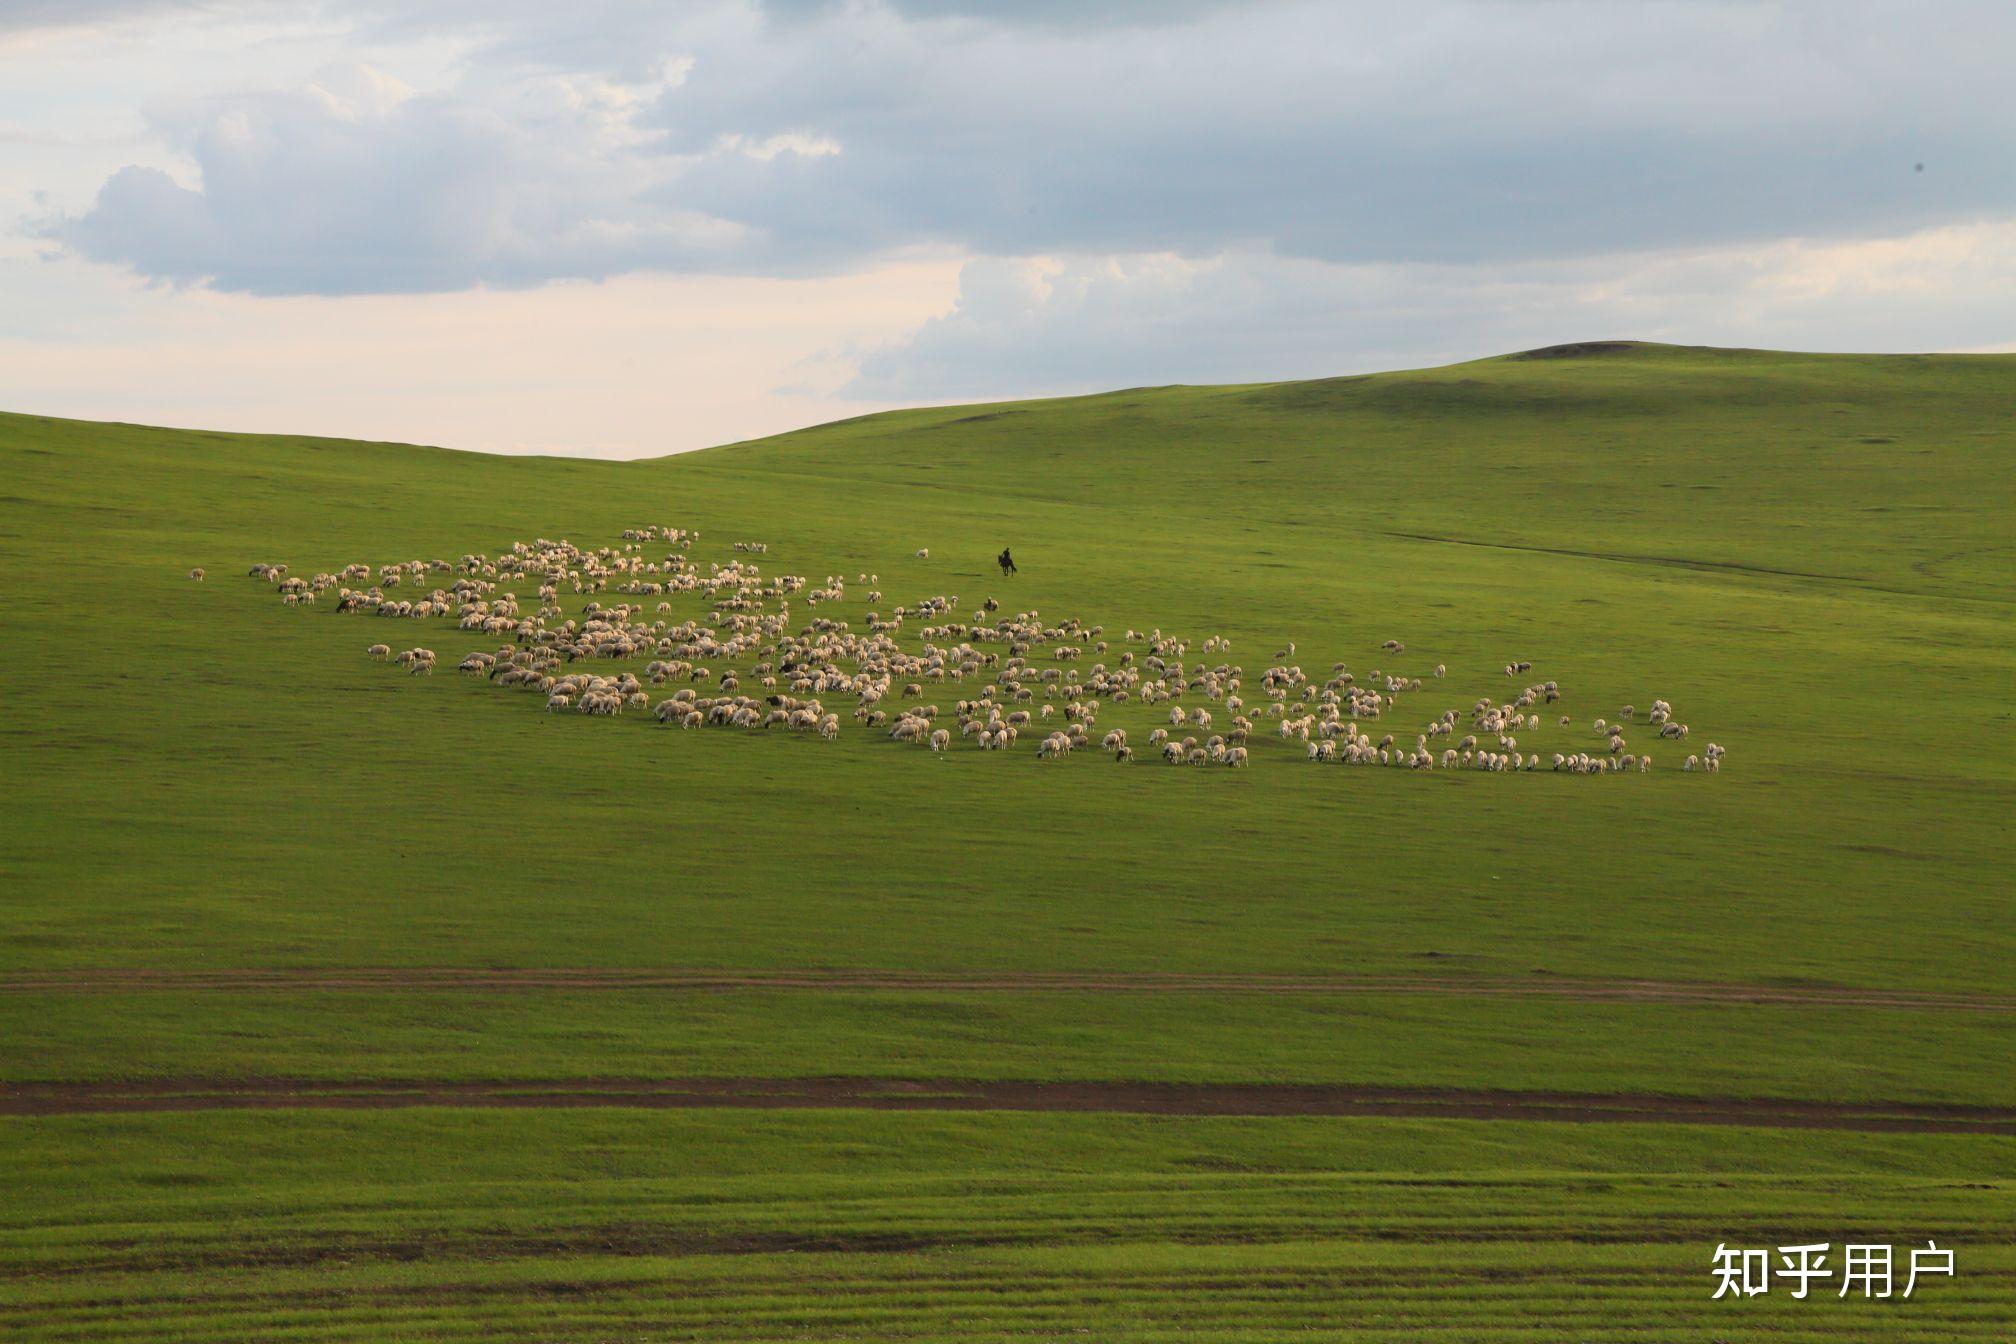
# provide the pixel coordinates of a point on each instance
(1007, 563)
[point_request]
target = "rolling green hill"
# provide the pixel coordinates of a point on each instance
(243, 859)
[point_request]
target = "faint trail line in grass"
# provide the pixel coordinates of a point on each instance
(599, 979)
(660, 1242)
(1621, 557)
(1930, 568)
(1258, 1099)
(1711, 567)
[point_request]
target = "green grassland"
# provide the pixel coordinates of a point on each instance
(1810, 556)
(622, 1225)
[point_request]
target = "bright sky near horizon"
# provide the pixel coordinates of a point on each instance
(627, 229)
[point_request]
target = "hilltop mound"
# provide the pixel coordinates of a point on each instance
(1577, 350)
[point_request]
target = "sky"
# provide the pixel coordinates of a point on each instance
(627, 229)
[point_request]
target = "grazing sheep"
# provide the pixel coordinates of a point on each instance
(746, 631)
(197, 574)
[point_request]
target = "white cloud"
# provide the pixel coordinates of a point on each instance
(357, 184)
(770, 146)
(1047, 325)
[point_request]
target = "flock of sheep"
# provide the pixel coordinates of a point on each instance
(1029, 675)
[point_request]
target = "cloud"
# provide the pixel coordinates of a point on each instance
(355, 184)
(635, 366)
(1034, 326)
(1058, 13)
(820, 137)
(25, 15)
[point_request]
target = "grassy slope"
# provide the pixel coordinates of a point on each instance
(1808, 555)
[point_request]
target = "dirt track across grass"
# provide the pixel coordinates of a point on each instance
(1259, 1099)
(586, 979)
